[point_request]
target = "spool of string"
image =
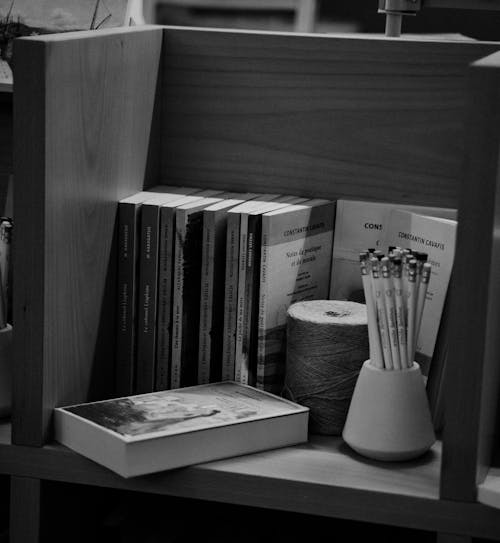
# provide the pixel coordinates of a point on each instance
(327, 343)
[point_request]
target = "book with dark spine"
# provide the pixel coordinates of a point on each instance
(213, 265)
(231, 282)
(147, 290)
(165, 285)
(186, 291)
(245, 360)
(128, 255)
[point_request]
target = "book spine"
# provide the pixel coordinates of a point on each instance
(206, 298)
(128, 215)
(177, 301)
(148, 275)
(230, 293)
(217, 314)
(164, 320)
(190, 327)
(251, 288)
(240, 370)
(263, 301)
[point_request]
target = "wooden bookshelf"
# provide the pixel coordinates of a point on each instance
(322, 477)
(103, 114)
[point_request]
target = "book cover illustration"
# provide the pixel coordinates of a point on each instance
(295, 266)
(358, 226)
(436, 237)
(183, 410)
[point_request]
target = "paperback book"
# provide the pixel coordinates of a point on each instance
(186, 291)
(165, 285)
(213, 265)
(148, 281)
(358, 226)
(231, 281)
(128, 258)
(248, 288)
(143, 434)
(435, 237)
(295, 262)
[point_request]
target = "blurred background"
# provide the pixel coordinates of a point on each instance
(323, 16)
(335, 16)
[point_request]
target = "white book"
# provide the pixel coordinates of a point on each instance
(436, 237)
(137, 435)
(360, 225)
(295, 261)
(250, 223)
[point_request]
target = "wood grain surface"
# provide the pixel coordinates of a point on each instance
(316, 115)
(25, 509)
(322, 477)
(473, 374)
(83, 111)
(368, 118)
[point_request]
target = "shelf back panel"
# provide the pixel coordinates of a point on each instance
(359, 117)
(83, 104)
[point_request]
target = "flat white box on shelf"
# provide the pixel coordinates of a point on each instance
(136, 435)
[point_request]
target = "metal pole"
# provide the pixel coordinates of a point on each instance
(393, 23)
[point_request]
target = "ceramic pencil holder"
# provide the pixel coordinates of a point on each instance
(389, 416)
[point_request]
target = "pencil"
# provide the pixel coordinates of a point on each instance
(400, 312)
(422, 292)
(390, 309)
(411, 310)
(376, 355)
(381, 314)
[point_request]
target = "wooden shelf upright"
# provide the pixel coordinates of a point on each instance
(99, 115)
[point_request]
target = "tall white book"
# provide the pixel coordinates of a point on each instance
(248, 286)
(360, 225)
(436, 237)
(295, 261)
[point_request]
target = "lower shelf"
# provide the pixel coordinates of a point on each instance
(323, 477)
(488, 492)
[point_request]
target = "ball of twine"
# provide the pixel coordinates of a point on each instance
(327, 343)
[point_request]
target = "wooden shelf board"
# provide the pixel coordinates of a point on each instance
(322, 477)
(488, 492)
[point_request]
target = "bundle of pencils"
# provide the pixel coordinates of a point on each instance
(395, 288)
(5, 244)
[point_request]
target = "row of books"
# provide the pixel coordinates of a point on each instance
(213, 255)
(204, 281)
